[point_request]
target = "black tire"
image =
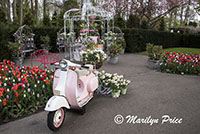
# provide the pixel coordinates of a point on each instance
(83, 110)
(50, 119)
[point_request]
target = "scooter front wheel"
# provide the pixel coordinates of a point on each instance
(55, 119)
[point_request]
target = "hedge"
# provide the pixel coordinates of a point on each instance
(136, 39)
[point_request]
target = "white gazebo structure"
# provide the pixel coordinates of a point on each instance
(83, 14)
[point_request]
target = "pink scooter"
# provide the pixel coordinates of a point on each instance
(72, 89)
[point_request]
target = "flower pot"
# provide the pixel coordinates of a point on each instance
(122, 52)
(116, 94)
(94, 38)
(18, 60)
(99, 65)
(153, 64)
(113, 60)
(98, 47)
(123, 91)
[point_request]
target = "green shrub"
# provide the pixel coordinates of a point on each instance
(136, 39)
(6, 34)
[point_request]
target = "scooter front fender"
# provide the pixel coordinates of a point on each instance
(55, 103)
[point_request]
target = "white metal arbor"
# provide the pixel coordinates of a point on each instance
(83, 14)
(24, 36)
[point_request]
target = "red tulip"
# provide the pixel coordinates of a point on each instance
(4, 102)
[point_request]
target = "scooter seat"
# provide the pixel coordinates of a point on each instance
(82, 72)
(90, 67)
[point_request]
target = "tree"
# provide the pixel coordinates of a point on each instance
(8, 10)
(60, 18)
(28, 18)
(144, 24)
(20, 12)
(133, 21)
(194, 24)
(70, 4)
(162, 24)
(2, 16)
(54, 21)
(14, 6)
(44, 8)
(46, 21)
(119, 22)
(36, 11)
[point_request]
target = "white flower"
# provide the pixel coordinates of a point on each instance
(35, 85)
(24, 95)
(5, 84)
(0, 100)
(38, 81)
(9, 78)
(6, 79)
(103, 71)
(128, 81)
(13, 80)
(33, 93)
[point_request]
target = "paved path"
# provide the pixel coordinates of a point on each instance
(151, 93)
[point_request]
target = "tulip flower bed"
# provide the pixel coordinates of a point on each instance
(180, 63)
(22, 89)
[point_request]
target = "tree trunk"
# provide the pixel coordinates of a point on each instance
(181, 15)
(44, 8)
(20, 12)
(187, 12)
(14, 6)
(32, 10)
(175, 17)
(170, 20)
(3, 4)
(8, 10)
(36, 11)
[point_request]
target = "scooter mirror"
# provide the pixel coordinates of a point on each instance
(63, 64)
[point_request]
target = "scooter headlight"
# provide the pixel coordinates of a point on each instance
(63, 64)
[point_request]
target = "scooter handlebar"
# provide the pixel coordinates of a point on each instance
(86, 67)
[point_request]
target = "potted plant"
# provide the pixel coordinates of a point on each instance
(100, 44)
(17, 55)
(45, 40)
(154, 53)
(124, 84)
(95, 57)
(114, 82)
(114, 50)
(116, 93)
(110, 36)
(90, 45)
(121, 42)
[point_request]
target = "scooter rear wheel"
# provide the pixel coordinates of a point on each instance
(55, 119)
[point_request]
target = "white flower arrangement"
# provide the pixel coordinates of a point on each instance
(94, 56)
(110, 35)
(115, 82)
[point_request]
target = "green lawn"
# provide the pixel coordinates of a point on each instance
(182, 50)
